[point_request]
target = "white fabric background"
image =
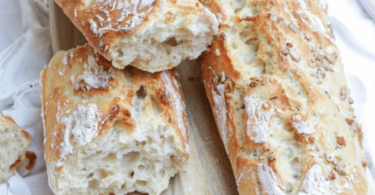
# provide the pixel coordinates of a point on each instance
(25, 48)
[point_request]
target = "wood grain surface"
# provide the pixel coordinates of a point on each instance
(209, 170)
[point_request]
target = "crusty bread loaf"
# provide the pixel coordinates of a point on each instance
(13, 144)
(109, 130)
(276, 83)
(152, 35)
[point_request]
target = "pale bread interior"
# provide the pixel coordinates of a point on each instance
(163, 46)
(126, 159)
(13, 144)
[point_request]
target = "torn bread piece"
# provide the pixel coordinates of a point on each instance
(13, 144)
(275, 80)
(152, 35)
(109, 130)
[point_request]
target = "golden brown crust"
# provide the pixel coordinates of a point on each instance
(110, 90)
(31, 156)
(81, 13)
(287, 102)
(14, 166)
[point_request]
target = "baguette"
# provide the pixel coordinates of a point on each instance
(110, 131)
(152, 35)
(276, 84)
(13, 144)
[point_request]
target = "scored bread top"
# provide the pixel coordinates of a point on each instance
(275, 80)
(86, 95)
(118, 28)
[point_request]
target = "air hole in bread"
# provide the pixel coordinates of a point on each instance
(141, 183)
(111, 157)
(131, 158)
(102, 173)
(141, 93)
(162, 173)
(171, 41)
(149, 140)
(131, 174)
(129, 72)
(120, 53)
(90, 175)
(93, 184)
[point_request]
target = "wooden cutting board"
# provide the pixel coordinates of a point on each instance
(209, 170)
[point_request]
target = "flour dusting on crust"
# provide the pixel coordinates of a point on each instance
(270, 182)
(315, 183)
(303, 127)
(82, 124)
(257, 124)
(130, 15)
(312, 20)
(94, 76)
(221, 111)
(177, 104)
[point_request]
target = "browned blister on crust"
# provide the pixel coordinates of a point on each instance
(287, 122)
(152, 35)
(109, 130)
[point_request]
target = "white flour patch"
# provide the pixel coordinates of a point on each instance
(270, 182)
(129, 12)
(257, 124)
(82, 124)
(315, 183)
(94, 75)
(303, 127)
(177, 104)
(221, 111)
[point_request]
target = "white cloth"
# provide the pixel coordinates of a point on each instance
(25, 48)
(369, 5)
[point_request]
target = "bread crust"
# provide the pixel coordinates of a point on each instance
(106, 23)
(63, 91)
(280, 98)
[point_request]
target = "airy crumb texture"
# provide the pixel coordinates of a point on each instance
(13, 143)
(152, 35)
(122, 132)
(277, 86)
